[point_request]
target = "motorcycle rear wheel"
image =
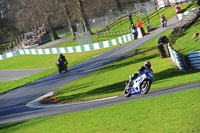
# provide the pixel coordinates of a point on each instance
(145, 86)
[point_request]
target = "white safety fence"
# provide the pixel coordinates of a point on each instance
(194, 58)
(72, 49)
(176, 58)
(182, 15)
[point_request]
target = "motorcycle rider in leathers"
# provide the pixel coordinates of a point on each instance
(63, 59)
(147, 65)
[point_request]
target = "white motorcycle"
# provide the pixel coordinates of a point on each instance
(163, 23)
(141, 84)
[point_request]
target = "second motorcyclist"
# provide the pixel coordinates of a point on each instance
(63, 60)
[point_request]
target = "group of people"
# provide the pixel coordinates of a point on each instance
(35, 35)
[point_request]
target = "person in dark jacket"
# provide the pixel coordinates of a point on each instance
(63, 59)
(147, 65)
(134, 31)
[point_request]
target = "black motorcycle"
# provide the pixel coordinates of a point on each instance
(62, 67)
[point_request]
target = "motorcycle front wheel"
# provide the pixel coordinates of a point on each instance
(60, 70)
(127, 91)
(145, 86)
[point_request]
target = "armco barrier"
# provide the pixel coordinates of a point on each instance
(181, 15)
(73, 49)
(194, 59)
(176, 58)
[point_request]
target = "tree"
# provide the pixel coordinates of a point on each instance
(83, 15)
(67, 14)
(7, 28)
(119, 6)
(33, 13)
(49, 10)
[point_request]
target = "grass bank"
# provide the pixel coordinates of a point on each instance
(178, 112)
(185, 43)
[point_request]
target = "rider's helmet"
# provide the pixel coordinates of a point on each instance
(147, 64)
(60, 54)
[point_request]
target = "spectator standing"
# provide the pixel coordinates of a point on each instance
(39, 40)
(177, 10)
(139, 25)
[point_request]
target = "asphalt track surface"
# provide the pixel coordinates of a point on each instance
(7, 75)
(53, 44)
(13, 103)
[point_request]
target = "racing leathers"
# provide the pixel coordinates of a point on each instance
(140, 71)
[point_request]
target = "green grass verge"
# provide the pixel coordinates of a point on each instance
(185, 43)
(178, 112)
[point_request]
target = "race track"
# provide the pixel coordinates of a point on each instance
(13, 104)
